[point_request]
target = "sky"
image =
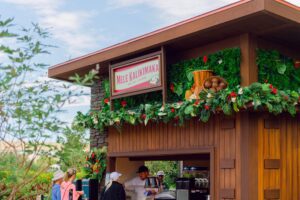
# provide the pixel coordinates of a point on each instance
(79, 27)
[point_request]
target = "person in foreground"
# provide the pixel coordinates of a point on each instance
(67, 186)
(137, 184)
(57, 180)
(113, 190)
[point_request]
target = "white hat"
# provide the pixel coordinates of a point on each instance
(114, 176)
(160, 173)
(58, 175)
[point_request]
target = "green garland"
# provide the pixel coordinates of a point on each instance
(257, 95)
(277, 69)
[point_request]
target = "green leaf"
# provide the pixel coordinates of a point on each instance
(132, 120)
(226, 109)
(281, 68)
(205, 115)
(148, 108)
(235, 107)
(189, 75)
(189, 109)
(178, 89)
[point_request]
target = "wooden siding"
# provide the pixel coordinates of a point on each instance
(279, 139)
(219, 133)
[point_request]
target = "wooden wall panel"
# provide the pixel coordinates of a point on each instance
(279, 142)
(194, 134)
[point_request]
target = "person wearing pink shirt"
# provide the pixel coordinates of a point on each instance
(68, 189)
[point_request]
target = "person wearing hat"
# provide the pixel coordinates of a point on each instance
(57, 180)
(160, 177)
(137, 184)
(113, 190)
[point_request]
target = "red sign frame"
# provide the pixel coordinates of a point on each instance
(143, 86)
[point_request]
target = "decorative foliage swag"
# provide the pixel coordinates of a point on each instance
(257, 96)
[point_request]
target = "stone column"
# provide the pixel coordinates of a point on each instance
(97, 139)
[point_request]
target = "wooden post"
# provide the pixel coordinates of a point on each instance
(111, 164)
(164, 74)
(247, 157)
(249, 69)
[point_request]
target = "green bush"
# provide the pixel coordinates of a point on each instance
(278, 70)
(170, 168)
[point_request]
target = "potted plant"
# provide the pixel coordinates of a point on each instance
(94, 169)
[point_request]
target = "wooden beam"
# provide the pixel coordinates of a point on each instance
(164, 74)
(249, 69)
(111, 164)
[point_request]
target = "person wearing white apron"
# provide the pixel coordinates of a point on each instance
(137, 184)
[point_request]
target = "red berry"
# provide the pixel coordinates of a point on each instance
(274, 91)
(205, 59)
(206, 107)
(172, 110)
(271, 86)
(143, 116)
(123, 103)
(172, 87)
(286, 98)
(106, 100)
(266, 81)
(197, 102)
(93, 155)
(233, 94)
(297, 64)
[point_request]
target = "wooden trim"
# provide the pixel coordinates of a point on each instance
(272, 194)
(289, 4)
(133, 61)
(227, 193)
(137, 59)
(272, 123)
(227, 164)
(283, 8)
(164, 74)
(162, 153)
(272, 163)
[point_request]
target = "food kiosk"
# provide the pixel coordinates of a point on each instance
(246, 137)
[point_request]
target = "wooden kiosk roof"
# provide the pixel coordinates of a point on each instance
(273, 20)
